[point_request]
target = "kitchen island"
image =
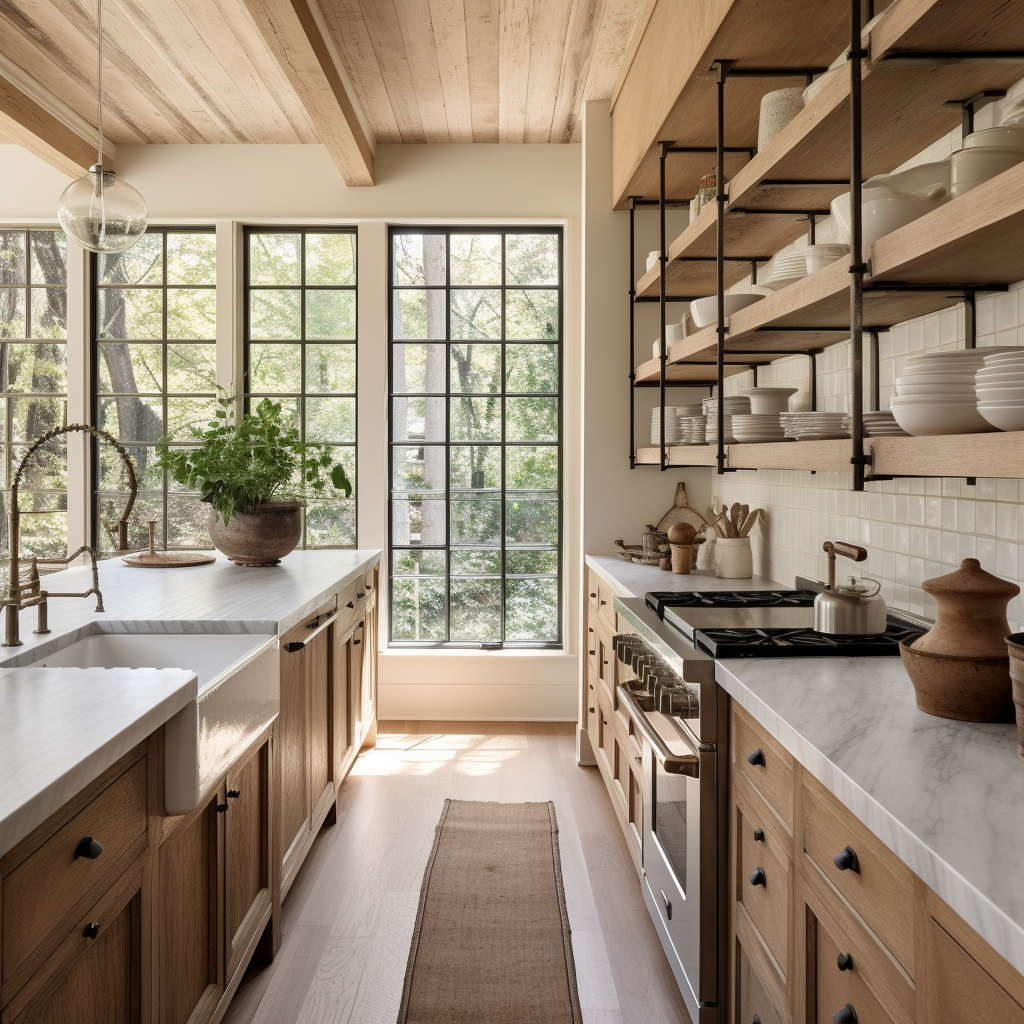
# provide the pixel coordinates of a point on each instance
(834, 753)
(113, 893)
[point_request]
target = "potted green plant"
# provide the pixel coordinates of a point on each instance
(255, 472)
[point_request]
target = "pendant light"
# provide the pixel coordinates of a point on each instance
(99, 211)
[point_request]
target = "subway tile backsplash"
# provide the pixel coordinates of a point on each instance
(914, 529)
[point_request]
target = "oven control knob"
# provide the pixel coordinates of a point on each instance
(847, 1015)
(844, 962)
(846, 860)
(758, 877)
(756, 758)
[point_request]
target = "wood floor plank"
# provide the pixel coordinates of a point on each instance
(348, 919)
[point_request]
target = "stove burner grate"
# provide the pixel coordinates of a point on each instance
(794, 643)
(659, 600)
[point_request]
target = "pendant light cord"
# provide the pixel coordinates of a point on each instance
(99, 77)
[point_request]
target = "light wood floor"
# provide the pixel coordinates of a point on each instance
(348, 919)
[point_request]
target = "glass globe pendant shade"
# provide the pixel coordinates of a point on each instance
(102, 213)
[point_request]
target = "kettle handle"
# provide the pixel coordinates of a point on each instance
(841, 547)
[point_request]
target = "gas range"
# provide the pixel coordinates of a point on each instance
(770, 624)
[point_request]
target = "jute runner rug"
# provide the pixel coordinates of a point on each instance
(491, 943)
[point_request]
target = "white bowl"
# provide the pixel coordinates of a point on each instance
(1003, 417)
(922, 377)
(971, 167)
(922, 420)
(937, 391)
(1010, 136)
(704, 312)
(999, 358)
(769, 401)
(1001, 396)
(1003, 378)
(966, 398)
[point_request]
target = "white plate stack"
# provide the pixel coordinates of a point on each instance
(791, 266)
(711, 434)
(936, 393)
(758, 427)
(882, 424)
(734, 405)
(816, 426)
(694, 429)
(999, 386)
(673, 431)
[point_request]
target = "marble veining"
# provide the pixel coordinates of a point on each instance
(62, 728)
(631, 580)
(946, 797)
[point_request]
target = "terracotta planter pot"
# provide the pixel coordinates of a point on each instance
(1015, 643)
(261, 537)
(969, 689)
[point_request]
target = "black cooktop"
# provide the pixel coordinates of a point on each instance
(659, 600)
(802, 643)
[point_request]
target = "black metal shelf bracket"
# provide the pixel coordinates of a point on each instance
(858, 268)
(968, 107)
(632, 331)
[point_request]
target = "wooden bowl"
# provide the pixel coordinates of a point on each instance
(970, 689)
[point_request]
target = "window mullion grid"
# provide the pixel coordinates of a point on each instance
(501, 481)
(447, 434)
(166, 382)
(302, 362)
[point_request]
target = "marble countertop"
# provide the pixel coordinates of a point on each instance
(946, 797)
(60, 728)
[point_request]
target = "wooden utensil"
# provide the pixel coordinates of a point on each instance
(750, 520)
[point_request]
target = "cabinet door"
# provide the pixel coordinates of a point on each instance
(366, 651)
(318, 669)
(292, 732)
(343, 726)
(246, 854)
(103, 984)
(188, 911)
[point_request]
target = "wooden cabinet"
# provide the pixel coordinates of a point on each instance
(827, 924)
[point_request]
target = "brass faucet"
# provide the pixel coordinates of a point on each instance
(30, 593)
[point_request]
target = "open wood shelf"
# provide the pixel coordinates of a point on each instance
(974, 240)
(903, 111)
(999, 454)
(649, 373)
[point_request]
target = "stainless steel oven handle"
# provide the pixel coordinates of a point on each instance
(674, 764)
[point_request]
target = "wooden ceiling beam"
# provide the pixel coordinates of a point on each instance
(26, 122)
(294, 38)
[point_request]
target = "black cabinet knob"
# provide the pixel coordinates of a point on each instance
(234, 794)
(89, 848)
(591, 710)
(847, 1015)
(590, 629)
(844, 962)
(758, 877)
(221, 808)
(356, 643)
(639, 760)
(591, 653)
(92, 930)
(755, 1019)
(350, 605)
(360, 623)
(758, 835)
(360, 595)
(846, 860)
(593, 595)
(756, 758)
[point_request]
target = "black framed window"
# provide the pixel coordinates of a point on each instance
(300, 350)
(154, 371)
(475, 328)
(34, 382)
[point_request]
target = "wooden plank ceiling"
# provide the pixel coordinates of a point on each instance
(274, 71)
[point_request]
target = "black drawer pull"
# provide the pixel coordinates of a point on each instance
(592, 710)
(221, 808)
(593, 595)
(360, 595)
(755, 1019)
(591, 653)
(590, 629)
(639, 760)
(758, 835)
(356, 643)
(92, 930)
(350, 605)
(88, 848)
(758, 877)
(844, 962)
(756, 758)
(668, 905)
(234, 794)
(360, 623)
(846, 860)
(847, 1015)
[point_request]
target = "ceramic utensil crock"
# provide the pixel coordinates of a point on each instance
(960, 668)
(733, 558)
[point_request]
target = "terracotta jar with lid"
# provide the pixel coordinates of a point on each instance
(960, 668)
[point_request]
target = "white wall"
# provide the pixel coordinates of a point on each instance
(416, 184)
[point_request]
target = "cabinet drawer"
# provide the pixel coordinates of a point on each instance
(46, 887)
(835, 989)
(606, 603)
(763, 881)
(310, 622)
(752, 1000)
(764, 763)
(878, 886)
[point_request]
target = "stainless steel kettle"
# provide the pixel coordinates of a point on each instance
(848, 609)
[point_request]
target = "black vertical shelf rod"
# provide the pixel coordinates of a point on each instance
(970, 321)
(663, 263)
(873, 393)
(722, 70)
(857, 269)
(632, 332)
(813, 357)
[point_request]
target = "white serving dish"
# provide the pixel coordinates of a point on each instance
(1009, 136)
(705, 311)
(652, 259)
(971, 167)
(768, 401)
(1003, 417)
(942, 418)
